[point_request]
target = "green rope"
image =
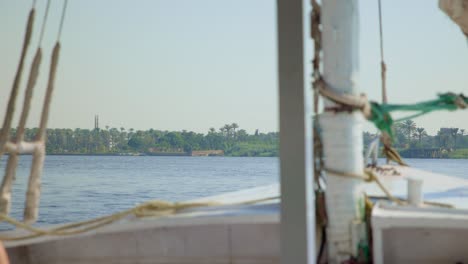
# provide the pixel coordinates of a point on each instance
(381, 113)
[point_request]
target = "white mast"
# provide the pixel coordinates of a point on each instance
(342, 131)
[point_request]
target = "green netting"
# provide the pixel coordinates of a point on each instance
(381, 113)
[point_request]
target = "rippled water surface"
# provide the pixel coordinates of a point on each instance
(81, 187)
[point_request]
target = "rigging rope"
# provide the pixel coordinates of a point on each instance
(383, 66)
(62, 19)
(147, 209)
(5, 189)
(44, 22)
(31, 210)
(381, 113)
(4, 134)
(369, 175)
(37, 148)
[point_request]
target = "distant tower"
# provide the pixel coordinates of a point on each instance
(96, 122)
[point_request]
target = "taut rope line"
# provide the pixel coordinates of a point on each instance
(31, 210)
(382, 61)
(14, 90)
(5, 189)
(44, 22)
(37, 147)
(10, 171)
(34, 184)
(62, 19)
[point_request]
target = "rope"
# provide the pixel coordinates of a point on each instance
(34, 73)
(44, 21)
(350, 101)
(62, 19)
(321, 212)
(369, 175)
(14, 90)
(382, 62)
(38, 150)
(34, 186)
(5, 189)
(147, 209)
(379, 114)
(383, 120)
(31, 209)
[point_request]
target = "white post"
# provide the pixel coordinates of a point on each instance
(341, 131)
(297, 206)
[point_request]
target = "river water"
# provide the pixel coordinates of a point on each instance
(81, 187)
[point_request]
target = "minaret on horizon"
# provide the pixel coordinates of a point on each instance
(96, 122)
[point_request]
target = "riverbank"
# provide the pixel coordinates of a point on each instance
(434, 153)
(459, 154)
(456, 154)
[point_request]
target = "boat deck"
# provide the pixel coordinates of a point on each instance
(234, 232)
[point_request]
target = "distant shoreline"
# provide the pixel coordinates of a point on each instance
(185, 155)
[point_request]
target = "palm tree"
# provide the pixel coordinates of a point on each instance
(443, 137)
(234, 126)
(227, 128)
(420, 132)
(408, 126)
(222, 130)
(462, 132)
(454, 134)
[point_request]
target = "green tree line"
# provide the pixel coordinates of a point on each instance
(229, 138)
(452, 142)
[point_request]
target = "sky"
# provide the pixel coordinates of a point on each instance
(186, 64)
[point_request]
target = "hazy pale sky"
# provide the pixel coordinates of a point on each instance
(186, 64)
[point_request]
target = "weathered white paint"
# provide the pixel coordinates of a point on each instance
(419, 235)
(229, 239)
(342, 132)
(297, 206)
(415, 194)
(437, 188)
